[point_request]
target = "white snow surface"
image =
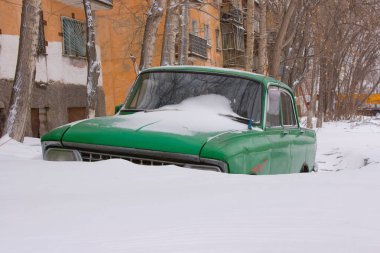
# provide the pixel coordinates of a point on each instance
(117, 206)
(194, 115)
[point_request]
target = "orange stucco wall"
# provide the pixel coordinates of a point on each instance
(10, 17)
(120, 33)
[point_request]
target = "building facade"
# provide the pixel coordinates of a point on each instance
(216, 38)
(120, 33)
(59, 93)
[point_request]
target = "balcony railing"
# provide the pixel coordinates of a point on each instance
(197, 46)
(96, 4)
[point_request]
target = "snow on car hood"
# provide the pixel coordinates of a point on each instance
(194, 115)
(182, 128)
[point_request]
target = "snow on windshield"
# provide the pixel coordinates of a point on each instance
(199, 114)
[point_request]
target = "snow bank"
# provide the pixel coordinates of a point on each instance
(11, 149)
(348, 145)
(194, 115)
(117, 206)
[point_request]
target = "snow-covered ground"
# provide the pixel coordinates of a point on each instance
(117, 206)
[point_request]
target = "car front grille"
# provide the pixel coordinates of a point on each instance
(94, 157)
(89, 156)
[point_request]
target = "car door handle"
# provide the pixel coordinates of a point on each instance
(302, 131)
(285, 132)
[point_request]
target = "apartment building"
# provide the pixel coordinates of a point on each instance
(120, 33)
(216, 38)
(59, 94)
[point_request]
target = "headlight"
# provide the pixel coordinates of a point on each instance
(59, 154)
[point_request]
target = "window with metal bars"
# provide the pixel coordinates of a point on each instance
(74, 37)
(41, 46)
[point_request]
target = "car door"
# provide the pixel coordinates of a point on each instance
(296, 136)
(278, 137)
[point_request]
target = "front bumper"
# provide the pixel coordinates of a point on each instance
(55, 151)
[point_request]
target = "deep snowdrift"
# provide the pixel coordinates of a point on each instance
(116, 206)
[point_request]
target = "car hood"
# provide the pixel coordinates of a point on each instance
(167, 131)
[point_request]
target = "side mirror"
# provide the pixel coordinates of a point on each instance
(117, 108)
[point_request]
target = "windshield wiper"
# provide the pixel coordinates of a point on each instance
(131, 110)
(160, 110)
(247, 121)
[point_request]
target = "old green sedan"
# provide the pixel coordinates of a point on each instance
(195, 117)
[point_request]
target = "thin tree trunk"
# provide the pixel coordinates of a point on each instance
(322, 92)
(93, 65)
(171, 31)
(263, 58)
(250, 35)
(184, 42)
(19, 106)
(278, 46)
(310, 108)
(150, 33)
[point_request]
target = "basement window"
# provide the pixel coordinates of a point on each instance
(74, 37)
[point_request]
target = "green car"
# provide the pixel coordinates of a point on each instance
(196, 117)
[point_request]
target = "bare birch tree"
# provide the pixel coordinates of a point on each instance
(93, 65)
(184, 39)
(250, 23)
(150, 33)
(262, 57)
(170, 33)
(280, 38)
(19, 107)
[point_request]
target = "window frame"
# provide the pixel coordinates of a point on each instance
(137, 83)
(293, 110)
(282, 126)
(63, 38)
(267, 107)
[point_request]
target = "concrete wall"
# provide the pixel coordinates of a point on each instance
(50, 67)
(55, 97)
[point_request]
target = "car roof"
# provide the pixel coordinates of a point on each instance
(266, 80)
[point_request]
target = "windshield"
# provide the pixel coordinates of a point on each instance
(158, 89)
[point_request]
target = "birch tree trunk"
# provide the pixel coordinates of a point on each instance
(278, 46)
(151, 27)
(93, 68)
(263, 58)
(19, 106)
(250, 22)
(171, 31)
(184, 41)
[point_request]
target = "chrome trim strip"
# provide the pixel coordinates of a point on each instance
(132, 151)
(47, 144)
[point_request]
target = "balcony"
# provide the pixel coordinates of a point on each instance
(96, 4)
(197, 46)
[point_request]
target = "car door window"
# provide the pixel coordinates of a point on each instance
(288, 117)
(273, 118)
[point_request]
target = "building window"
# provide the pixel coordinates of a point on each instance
(194, 27)
(74, 38)
(207, 33)
(217, 39)
(41, 46)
